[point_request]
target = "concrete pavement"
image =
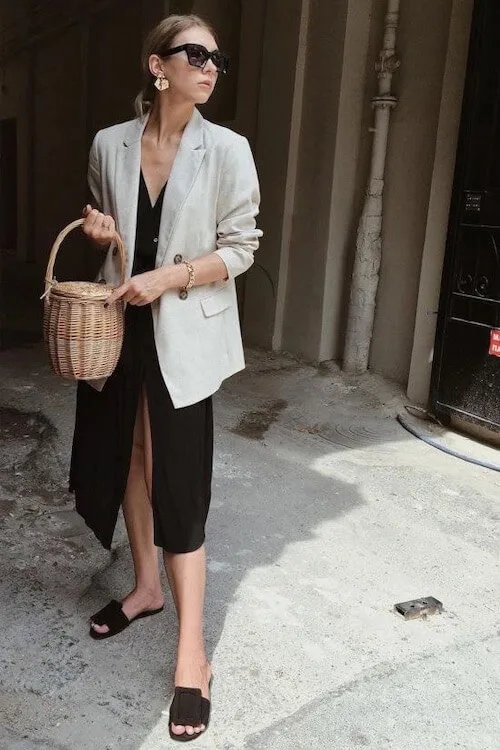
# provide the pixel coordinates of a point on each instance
(326, 512)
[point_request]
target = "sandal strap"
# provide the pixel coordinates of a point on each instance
(187, 707)
(205, 711)
(111, 615)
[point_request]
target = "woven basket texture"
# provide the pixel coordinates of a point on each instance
(83, 338)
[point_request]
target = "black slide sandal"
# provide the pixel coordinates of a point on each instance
(113, 616)
(188, 709)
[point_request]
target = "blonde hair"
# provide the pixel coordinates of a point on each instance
(159, 39)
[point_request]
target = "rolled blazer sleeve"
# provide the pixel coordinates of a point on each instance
(94, 175)
(238, 205)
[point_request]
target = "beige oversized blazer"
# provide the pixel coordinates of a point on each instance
(210, 204)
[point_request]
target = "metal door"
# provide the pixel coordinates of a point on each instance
(466, 371)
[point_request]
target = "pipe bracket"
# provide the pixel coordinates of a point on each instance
(386, 101)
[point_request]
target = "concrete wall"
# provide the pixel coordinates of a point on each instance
(422, 44)
(314, 148)
(225, 16)
(62, 87)
(61, 90)
(113, 35)
(310, 232)
(282, 27)
(58, 171)
(300, 89)
(327, 188)
(439, 202)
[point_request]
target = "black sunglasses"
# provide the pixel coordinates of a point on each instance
(198, 56)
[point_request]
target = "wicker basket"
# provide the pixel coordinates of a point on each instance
(83, 337)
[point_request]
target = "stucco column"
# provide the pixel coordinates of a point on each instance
(273, 148)
(439, 203)
(323, 209)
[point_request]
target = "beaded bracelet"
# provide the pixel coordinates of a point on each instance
(185, 289)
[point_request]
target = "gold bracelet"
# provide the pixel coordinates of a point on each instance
(185, 289)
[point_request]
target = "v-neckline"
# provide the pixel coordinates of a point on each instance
(160, 194)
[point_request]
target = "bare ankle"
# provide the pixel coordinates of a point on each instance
(188, 658)
(148, 587)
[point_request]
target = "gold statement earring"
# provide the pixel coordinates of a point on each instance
(162, 83)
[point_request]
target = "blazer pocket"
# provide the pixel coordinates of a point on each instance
(217, 302)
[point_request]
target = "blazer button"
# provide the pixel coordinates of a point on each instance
(155, 240)
(177, 259)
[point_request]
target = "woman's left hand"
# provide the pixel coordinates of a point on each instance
(141, 289)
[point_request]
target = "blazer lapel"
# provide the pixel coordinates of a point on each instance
(182, 176)
(184, 171)
(127, 176)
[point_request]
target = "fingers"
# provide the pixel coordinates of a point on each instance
(97, 226)
(117, 294)
(127, 294)
(131, 292)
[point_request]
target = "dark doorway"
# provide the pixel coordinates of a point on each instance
(8, 185)
(466, 371)
(19, 282)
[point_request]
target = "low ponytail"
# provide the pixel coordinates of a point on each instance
(144, 100)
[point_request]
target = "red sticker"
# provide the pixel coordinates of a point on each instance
(495, 342)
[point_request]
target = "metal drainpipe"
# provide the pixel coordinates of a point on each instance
(365, 275)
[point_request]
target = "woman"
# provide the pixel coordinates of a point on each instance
(183, 194)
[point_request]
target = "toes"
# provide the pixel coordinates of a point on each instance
(99, 628)
(177, 729)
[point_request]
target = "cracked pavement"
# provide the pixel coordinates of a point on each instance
(325, 513)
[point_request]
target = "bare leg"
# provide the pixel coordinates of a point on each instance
(188, 574)
(138, 514)
(149, 479)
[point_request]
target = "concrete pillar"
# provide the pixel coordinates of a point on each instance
(253, 16)
(324, 212)
(439, 202)
(343, 205)
(422, 45)
(278, 82)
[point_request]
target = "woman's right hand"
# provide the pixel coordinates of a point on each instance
(98, 227)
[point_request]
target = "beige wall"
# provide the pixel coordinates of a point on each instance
(439, 202)
(422, 44)
(251, 39)
(310, 231)
(275, 105)
(300, 89)
(330, 158)
(308, 255)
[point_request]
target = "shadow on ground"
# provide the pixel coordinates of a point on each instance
(315, 495)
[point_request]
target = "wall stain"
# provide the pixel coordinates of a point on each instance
(255, 424)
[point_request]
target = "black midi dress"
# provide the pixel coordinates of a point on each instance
(182, 439)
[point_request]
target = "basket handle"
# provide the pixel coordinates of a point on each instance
(57, 244)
